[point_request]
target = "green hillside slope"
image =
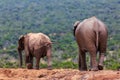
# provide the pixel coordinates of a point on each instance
(56, 18)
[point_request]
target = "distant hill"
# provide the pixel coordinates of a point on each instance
(55, 18)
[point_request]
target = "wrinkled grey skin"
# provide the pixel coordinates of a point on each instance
(35, 45)
(91, 36)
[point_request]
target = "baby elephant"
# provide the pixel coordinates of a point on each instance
(91, 36)
(35, 45)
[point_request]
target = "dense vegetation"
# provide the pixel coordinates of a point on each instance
(56, 18)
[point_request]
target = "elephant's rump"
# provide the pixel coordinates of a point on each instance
(43, 51)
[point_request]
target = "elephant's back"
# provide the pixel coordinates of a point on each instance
(39, 36)
(44, 37)
(91, 24)
(37, 40)
(86, 31)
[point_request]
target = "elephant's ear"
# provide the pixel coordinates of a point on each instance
(75, 26)
(76, 23)
(21, 42)
(21, 38)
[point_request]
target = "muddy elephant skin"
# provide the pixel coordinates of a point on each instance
(91, 36)
(35, 45)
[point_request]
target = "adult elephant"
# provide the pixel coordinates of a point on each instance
(91, 36)
(35, 45)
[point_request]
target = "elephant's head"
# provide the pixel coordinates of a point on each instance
(75, 26)
(20, 48)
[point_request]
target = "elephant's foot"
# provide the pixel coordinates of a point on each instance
(49, 68)
(37, 67)
(29, 66)
(100, 67)
(94, 69)
(83, 69)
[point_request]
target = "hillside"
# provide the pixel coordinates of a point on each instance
(56, 18)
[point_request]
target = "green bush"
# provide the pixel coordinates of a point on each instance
(64, 65)
(7, 64)
(111, 64)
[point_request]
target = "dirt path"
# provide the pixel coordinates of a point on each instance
(57, 74)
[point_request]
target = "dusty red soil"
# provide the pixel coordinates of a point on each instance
(57, 74)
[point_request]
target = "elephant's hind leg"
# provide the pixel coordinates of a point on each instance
(31, 61)
(102, 50)
(82, 61)
(101, 59)
(28, 63)
(93, 55)
(37, 62)
(49, 59)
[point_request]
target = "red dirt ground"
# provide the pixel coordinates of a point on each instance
(57, 74)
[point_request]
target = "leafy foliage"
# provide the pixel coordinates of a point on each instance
(7, 64)
(56, 18)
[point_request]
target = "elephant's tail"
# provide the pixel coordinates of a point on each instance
(97, 38)
(97, 33)
(75, 26)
